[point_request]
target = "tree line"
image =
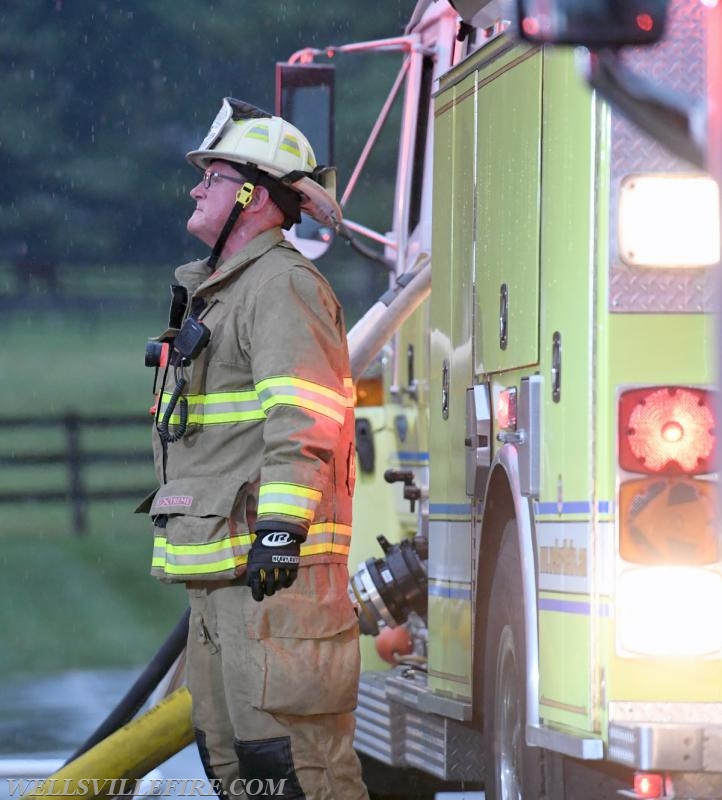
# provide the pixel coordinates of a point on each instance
(101, 100)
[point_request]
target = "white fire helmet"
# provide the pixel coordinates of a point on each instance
(243, 134)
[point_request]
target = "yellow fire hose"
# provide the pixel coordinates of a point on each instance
(130, 753)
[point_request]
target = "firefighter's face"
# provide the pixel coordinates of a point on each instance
(213, 203)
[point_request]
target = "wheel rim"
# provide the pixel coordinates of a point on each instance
(508, 721)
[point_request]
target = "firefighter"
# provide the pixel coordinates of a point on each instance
(254, 450)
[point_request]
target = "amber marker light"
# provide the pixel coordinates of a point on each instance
(369, 391)
(668, 521)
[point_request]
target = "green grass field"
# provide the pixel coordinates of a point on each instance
(70, 602)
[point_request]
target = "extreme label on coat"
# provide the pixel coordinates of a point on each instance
(184, 500)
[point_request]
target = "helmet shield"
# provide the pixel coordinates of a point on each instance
(231, 109)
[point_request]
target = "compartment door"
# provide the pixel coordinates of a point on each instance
(508, 201)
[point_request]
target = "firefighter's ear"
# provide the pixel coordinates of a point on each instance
(263, 203)
(261, 198)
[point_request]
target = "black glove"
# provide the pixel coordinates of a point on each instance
(273, 562)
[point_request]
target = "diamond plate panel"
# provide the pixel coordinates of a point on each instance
(391, 729)
(678, 63)
(656, 746)
(695, 786)
(704, 714)
(646, 290)
(442, 747)
(379, 724)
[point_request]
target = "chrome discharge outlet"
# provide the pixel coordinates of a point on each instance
(388, 589)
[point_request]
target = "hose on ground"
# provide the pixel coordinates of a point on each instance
(141, 690)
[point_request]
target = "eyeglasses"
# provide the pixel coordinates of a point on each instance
(209, 178)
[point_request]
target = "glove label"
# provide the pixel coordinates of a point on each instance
(294, 560)
(277, 539)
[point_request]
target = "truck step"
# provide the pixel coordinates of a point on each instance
(395, 726)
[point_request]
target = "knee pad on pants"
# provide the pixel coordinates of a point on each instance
(206, 761)
(271, 760)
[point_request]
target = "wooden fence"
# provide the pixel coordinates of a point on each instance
(77, 458)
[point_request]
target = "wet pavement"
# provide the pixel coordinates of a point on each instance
(53, 715)
(43, 720)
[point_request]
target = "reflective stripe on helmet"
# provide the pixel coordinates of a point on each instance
(289, 143)
(259, 132)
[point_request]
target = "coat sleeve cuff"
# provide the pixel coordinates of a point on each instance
(264, 525)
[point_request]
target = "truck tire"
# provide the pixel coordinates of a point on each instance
(513, 770)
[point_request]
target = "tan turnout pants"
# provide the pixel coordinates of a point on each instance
(273, 687)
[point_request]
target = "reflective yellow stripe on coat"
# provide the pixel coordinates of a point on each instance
(218, 408)
(201, 559)
(225, 555)
(250, 405)
(288, 499)
(310, 396)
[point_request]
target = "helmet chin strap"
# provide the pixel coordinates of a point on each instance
(243, 197)
(283, 195)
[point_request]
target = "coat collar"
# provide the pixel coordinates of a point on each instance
(199, 281)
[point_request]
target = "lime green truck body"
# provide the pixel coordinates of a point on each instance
(533, 304)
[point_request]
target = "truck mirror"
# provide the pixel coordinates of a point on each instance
(591, 23)
(305, 98)
(604, 26)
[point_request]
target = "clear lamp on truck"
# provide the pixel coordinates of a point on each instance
(659, 612)
(669, 220)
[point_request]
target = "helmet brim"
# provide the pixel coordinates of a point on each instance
(318, 203)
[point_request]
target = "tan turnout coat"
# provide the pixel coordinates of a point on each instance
(270, 437)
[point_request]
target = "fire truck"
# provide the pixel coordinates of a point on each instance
(536, 522)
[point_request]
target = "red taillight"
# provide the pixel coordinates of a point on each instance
(667, 430)
(530, 26)
(667, 433)
(506, 410)
(649, 785)
(645, 22)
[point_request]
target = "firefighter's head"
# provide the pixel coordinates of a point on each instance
(270, 152)
(216, 195)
